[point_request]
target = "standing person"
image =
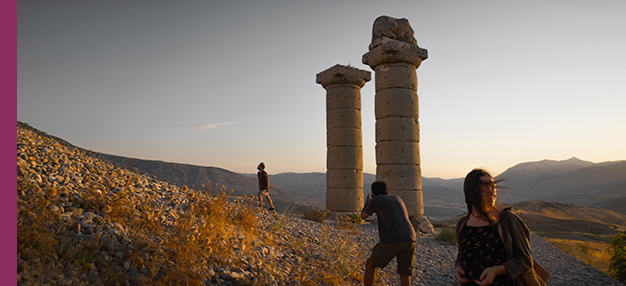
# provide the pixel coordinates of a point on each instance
(264, 186)
(493, 244)
(396, 234)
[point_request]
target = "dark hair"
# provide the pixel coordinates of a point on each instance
(379, 188)
(262, 165)
(473, 194)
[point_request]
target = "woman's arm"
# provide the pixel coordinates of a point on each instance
(460, 264)
(520, 259)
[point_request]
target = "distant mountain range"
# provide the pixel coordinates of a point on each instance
(570, 181)
(202, 177)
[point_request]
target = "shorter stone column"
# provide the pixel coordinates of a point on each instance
(344, 142)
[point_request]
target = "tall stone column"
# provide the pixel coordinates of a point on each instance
(344, 141)
(395, 56)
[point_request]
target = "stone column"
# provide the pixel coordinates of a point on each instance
(344, 141)
(395, 56)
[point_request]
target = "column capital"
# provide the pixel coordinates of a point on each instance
(393, 42)
(390, 51)
(340, 74)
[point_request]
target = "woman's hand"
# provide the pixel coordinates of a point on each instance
(460, 275)
(489, 274)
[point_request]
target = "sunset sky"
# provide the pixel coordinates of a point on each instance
(232, 83)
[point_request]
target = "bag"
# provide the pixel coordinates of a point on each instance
(541, 272)
(535, 276)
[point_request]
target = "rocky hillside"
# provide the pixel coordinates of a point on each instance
(567, 221)
(83, 220)
(558, 220)
(199, 177)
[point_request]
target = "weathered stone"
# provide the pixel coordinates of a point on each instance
(395, 56)
(343, 97)
(344, 136)
(344, 199)
(388, 27)
(401, 177)
(348, 178)
(398, 75)
(397, 153)
(412, 200)
(344, 157)
(396, 102)
(398, 129)
(344, 117)
(343, 75)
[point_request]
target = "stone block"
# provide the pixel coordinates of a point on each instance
(391, 51)
(344, 178)
(421, 224)
(344, 200)
(394, 28)
(397, 153)
(396, 102)
(403, 177)
(348, 117)
(342, 96)
(340, 157)
(397, 129)
(344, 136)
(396, 76)
(339, 74)
(412, 200)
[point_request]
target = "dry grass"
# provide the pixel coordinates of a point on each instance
(175, 242)
(593, 253)
(314, 212)
(173, 239)
(174, 247)
(447, 235)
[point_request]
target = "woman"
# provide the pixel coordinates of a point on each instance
(493, 243)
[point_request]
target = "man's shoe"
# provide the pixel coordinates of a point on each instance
(271, 209)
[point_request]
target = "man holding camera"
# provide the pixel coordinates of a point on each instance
(396, 234)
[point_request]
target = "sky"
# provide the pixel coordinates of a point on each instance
(232, 83)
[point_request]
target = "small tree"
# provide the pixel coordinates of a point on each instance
(618, 260)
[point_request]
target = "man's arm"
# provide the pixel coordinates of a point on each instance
(367, 202)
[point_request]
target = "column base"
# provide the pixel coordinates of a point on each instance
(421, 224)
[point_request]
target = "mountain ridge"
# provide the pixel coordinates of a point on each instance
(571, 181)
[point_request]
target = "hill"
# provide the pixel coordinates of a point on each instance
(565, 221)
(200, 177)
(83, 220)
(571, 181)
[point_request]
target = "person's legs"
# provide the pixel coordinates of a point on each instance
(269, 200)
(405, 259)
(260, 195)
(381, 255)
(370, 273)
(405, 280)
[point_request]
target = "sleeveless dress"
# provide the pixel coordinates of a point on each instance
(480, 248)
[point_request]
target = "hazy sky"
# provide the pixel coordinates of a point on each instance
(232, 83)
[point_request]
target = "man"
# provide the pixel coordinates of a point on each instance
(396, 234)
(264, 186)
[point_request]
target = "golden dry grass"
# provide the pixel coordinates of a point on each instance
(594, 253)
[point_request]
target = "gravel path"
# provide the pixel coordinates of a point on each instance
(435, 259)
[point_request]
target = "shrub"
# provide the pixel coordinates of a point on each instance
(349, 221)
(618, 260)
(446, 235)
(314, 213)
